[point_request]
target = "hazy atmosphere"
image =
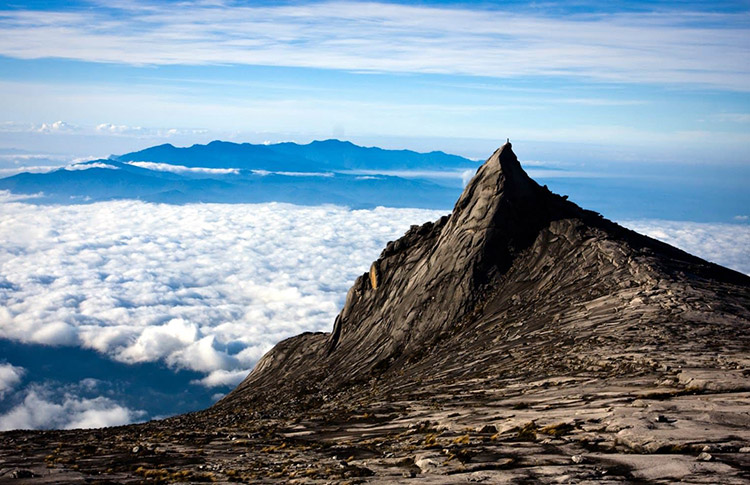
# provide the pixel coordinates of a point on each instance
(123, 266)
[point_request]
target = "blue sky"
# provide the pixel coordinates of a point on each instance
(570, 81)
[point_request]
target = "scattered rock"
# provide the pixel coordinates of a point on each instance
(487, 429)
(427, 465)
(22, 473)
(704, 457)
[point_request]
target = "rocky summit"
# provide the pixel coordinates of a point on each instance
(521, 339)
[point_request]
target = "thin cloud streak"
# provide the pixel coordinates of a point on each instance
(658, 47)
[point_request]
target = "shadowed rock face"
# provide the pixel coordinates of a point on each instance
(512, 255)
(430, 279)
(521, 339)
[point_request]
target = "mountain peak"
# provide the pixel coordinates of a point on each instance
(500, 176)
(503, 209)
(436, 274)
(511, 255)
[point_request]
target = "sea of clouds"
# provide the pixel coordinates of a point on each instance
(207, 287)
(725, 244)
(45, 407)
(204, 287)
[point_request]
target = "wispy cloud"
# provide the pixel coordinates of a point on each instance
(87, 166)
(733, 117)
(51, 127)
(167, 167)
(653, 47)
(139, 131)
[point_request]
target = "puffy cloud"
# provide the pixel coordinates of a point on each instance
(10, 377)
(57, 127)
(118, 129)
(223, 378)
(725, 244)
(160, 340)
(40, 410)
(205, 287)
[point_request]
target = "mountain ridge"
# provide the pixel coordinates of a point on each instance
(330, 154)
(225, 172)
(521, 339)
(501, 214)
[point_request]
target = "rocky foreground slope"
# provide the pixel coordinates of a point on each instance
(521, 339)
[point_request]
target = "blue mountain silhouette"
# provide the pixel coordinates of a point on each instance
(319, 172)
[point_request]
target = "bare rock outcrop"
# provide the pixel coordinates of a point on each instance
(521, 339)
(513, 260)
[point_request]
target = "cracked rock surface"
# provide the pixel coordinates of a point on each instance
(521, 339)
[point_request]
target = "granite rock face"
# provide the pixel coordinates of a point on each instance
(521, 339)
(512, 260)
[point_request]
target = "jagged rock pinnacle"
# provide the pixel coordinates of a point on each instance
(432, 278)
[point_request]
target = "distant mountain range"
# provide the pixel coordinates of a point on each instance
(318, 156)
(329, 171)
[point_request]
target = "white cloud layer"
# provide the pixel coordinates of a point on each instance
(39, 410)
(212, 287)
(10, 377)
(726, 244)
(661, 46)
(207, 287)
